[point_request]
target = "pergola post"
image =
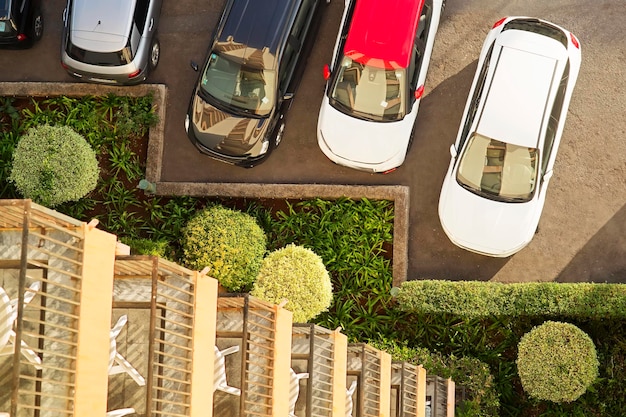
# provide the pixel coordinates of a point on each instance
(203, 336)
(92, 356)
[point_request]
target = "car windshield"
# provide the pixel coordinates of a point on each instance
(248, 87)
(369, 92)
(498, 170)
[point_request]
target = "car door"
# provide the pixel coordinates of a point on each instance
(297, 48)
(548, 149)
(417, 72)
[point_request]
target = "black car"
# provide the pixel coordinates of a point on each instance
(255, 62)
(21, 23)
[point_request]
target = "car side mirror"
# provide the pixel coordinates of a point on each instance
(326, 72)
(547, 175)
(194, 65)
(453, 151)
(288, 96)
(419, 92)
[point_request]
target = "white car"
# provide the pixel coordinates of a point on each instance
(495, 188)
(375, 81)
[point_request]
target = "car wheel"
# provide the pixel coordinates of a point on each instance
(37, 25)
(279, 133)
(155, 54)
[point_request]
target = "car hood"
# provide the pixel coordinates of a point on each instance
(227, 133)
(482, 225)
(363, 141)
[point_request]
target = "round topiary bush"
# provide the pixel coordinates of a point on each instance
(54, 164)
(556, 362)
(298, 275)
(228, 241)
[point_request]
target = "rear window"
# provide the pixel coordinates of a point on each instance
(6, 24)
(5, 9)
(537, 26)
(108, 59)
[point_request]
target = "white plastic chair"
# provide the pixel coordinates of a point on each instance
(117, 363)
(294, 390)
(8, 315)
(119, 413)
(349, 401)
(219, 378)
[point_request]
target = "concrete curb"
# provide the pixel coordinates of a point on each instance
(396, 193)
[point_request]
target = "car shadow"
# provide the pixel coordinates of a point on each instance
(431, 254)
(603, 258)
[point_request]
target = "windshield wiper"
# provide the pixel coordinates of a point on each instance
(470, 188)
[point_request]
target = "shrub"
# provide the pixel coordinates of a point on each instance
(54, 164)
(228, 241)
(488, 299)
(141, 246)
(298, 275)
(557, 362)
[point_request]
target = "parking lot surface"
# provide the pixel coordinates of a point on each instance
(582, 235)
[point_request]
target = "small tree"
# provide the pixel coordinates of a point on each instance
(228, 241)
(556, 362)
(54, 164)
(298, 275)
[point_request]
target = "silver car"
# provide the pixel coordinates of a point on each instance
(111, 42)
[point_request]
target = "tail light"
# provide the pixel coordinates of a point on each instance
(21, 37)
(574, 40)
(134, 73)
(498, 23)
(389, 171)
(64, 65)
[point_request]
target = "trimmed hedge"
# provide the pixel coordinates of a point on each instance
(228, 241)
(298, 275)
(557, 362)
(471, 299)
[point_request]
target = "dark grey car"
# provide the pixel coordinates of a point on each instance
(255, 62)
(112, 41)
(21, 23)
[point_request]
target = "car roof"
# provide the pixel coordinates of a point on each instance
(257, 25)
(382, 32)
(518, 95)
(101, 26)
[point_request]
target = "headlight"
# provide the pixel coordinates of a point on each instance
(187, 123)
(264, 147)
